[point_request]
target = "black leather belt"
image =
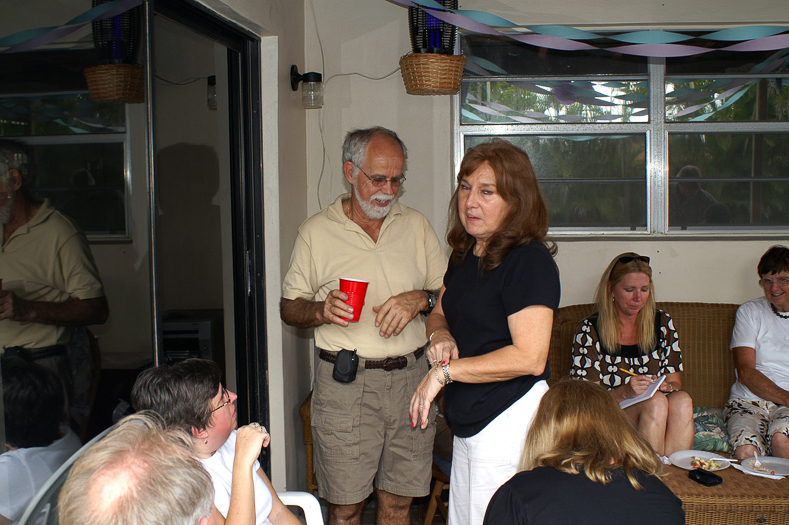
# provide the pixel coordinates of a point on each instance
(34, 354)
(388, 364)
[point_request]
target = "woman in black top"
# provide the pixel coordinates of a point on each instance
(626, 344)
(490, 331)
(584, 463)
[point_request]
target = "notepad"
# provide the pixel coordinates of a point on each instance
(646, 394)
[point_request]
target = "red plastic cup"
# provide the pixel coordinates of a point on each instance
(355, 290)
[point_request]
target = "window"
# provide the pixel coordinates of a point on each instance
(637, 146)
(79, 147)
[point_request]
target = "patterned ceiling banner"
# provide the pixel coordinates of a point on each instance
(663, 44)
(33, 38)
(724, 91)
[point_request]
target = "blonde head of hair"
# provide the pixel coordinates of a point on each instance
(578, 428)
(608, 326)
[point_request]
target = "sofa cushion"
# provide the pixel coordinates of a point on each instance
(710, 430)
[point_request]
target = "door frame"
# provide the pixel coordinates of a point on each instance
(249, 276)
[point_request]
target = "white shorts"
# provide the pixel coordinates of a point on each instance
(484, 462)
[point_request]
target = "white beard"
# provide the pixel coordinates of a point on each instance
(371, 210)
(5, 210)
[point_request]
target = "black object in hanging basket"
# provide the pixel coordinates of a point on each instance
(117, 38)
(428, 33)
(118, 78)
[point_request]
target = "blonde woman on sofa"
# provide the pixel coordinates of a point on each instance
(757, 413)
(626, 344)
(583, 462)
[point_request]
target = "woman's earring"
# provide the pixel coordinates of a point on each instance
(206, 441)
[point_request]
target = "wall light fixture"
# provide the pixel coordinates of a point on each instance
(311, 88)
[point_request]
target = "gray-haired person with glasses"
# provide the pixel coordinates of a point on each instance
(50, 284)
(367, 369)
(757, 413)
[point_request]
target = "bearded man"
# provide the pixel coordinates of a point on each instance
(49, 283)
(361, 428)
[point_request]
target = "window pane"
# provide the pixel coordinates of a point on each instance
(61, 114)
(742, 180)
(727, 99)
(588, 181)
(726, 62)
(85, 182)
(502, 54)
(557, 101)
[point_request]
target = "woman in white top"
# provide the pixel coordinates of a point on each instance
(189, 395)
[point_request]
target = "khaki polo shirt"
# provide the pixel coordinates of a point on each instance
(48, 259)
(406, 257)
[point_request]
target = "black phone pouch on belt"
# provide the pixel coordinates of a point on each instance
(345, 366)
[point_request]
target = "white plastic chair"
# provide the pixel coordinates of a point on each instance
(308, 503)
(42, 509)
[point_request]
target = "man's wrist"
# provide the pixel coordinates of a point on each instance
(432, 300)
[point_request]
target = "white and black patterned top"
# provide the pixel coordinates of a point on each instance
(594, 363)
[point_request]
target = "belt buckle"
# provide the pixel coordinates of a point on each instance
(391, 363)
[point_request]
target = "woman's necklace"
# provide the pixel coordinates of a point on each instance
(779, 314)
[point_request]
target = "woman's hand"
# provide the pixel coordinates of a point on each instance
(426, 392)
(637, 385)
(442, 347)
(249, 440)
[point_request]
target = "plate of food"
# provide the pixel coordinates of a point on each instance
(698, 459)
(767, 465)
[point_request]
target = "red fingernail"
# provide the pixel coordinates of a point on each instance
(443, 363)
(413, 424)
(423, 422)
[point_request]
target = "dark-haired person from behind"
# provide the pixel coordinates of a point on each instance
(584, 462)
(188, 395)
(38, 444)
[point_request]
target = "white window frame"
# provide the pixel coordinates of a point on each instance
(656, 132)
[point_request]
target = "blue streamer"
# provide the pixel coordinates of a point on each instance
(16, 38)
(737, 34)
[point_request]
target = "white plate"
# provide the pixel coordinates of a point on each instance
(683, 458)
(777, 466)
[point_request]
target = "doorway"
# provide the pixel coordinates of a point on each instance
(208, 297)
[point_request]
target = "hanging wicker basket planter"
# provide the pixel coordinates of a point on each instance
(432, 73)
(116, 83)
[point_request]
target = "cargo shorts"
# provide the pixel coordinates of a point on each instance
(362, 434)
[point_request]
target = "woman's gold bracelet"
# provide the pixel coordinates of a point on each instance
(430, 339)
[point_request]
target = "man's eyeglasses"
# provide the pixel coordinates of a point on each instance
(225, 394)
(782, 282)
(379, 181)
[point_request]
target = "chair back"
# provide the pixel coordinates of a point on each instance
(307, 502)
(43, 508)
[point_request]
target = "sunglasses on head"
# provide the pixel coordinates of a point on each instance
(630, 258)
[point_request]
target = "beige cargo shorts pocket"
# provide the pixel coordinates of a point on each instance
(336, 415)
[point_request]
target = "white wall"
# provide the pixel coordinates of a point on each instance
(369, 36)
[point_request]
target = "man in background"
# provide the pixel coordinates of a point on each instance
(49, 281)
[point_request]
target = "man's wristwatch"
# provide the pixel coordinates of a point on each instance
(432, 301)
